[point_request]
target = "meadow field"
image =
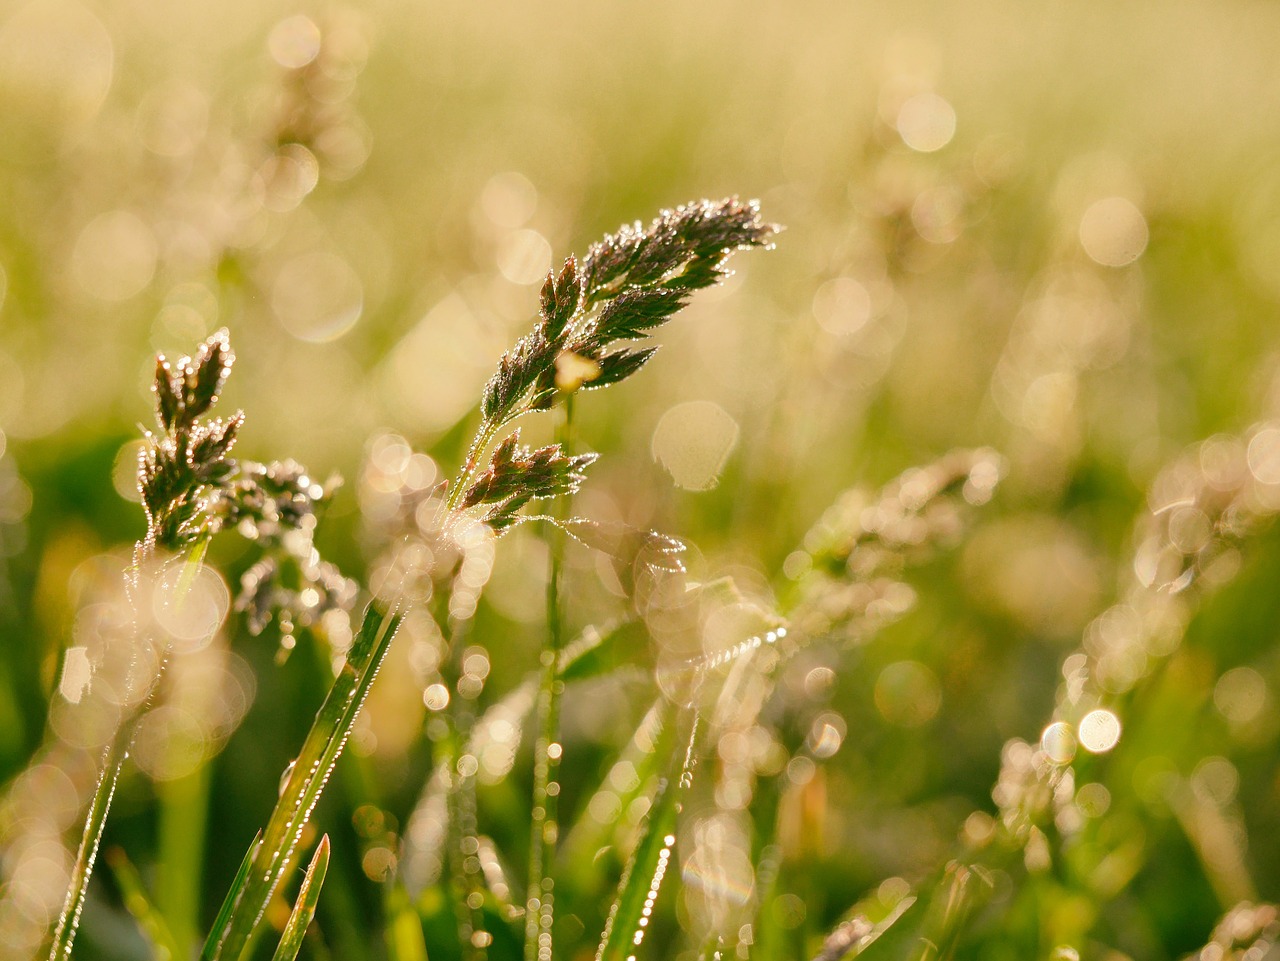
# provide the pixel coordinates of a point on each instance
(921, 601)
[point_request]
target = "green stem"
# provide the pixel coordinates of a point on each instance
(96, 820)
(117, 753)
(544, 827)
(484, 437)
(461, 800)
(184, 809)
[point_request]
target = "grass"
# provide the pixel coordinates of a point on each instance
(625, 685)
(629, 285)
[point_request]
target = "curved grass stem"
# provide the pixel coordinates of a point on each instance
(483, 438)
(65, 934)
(117, 753)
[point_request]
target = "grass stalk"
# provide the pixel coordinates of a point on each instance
(64, 934)
(483, 438)
(544, 824)
(463, 841)
(184, 811)
(117, 753)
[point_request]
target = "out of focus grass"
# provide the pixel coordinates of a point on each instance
(919, 300)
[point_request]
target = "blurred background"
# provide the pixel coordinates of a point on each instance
(1051, 228)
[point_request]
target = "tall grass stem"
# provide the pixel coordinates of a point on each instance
(544, 825)
(65, 934)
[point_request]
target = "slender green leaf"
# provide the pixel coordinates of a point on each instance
(65, 933)
(633, 774)
(598, 652)
(233, 895)
(643, 876)
(306, 781)
(853, 936)
(304, 908)
(927, 928)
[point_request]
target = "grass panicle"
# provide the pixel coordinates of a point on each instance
(517, 475)
(629, 285)
(185, 469)
(1247, 930)
(278, 505)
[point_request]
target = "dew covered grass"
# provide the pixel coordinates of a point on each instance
(914, 600)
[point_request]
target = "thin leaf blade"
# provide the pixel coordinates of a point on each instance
(304, 908)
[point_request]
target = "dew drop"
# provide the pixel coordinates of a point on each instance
(284, 778)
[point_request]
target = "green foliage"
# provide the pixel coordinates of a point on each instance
(138, 903)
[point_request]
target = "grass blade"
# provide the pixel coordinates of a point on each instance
(927, 927)
(304, 908)
(634, 771)
(404, 937)
(233, 894)
(643, 876)
(853, 936)
(309, 775)
(65, 934)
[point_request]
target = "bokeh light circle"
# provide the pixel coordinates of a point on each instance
(1099, 731)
